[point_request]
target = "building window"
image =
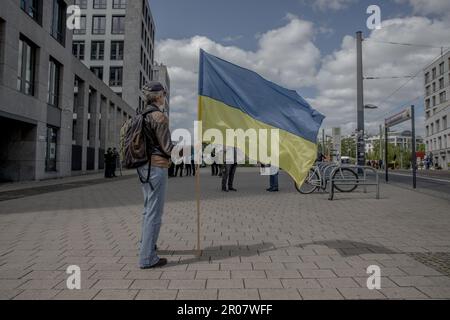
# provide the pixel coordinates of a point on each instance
(434, 101)
(78, 49)
(443, 97)
(98, 71)
(32, 8)
(441, 83)
(116, 50)
(115, 76)
(82, 29)
(50, 150)
(427, 103)
(444, 122)
(441, 68)
(99, 4)
(59, 20)
(118, 25)
(81, 3)
(434, 73)
(98, 24)
(119, 4)
(427, 77)
(26, 66)
(97, 50)
(54, 76)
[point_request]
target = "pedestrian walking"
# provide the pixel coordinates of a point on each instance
(158, 137)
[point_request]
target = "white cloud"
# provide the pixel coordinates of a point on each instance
(336, 80)
(426, 7)
(288, 56)
(324, 5)
(232, 38)
(285, 55)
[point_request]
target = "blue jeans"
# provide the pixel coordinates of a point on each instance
(274, 181)
(153, 211)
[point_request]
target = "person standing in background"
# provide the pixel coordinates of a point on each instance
(230, 157)
(108, 162)
(214, 166)
(273, 179)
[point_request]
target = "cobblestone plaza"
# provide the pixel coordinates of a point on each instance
(255, 245)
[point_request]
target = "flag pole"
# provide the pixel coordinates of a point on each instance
(197, 175)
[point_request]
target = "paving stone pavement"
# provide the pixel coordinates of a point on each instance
(256, 245)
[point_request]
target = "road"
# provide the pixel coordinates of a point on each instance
(431, 183)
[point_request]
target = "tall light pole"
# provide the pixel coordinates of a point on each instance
(360, 101)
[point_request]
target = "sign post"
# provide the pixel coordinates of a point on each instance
(413, 147)
(405, 115)
(386, 167)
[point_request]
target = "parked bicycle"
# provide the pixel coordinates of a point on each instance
(319, 175)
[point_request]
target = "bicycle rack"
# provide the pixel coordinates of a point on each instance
(359, 182)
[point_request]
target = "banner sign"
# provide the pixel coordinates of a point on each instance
(398, 118)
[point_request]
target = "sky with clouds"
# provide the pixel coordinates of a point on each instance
(307, 46)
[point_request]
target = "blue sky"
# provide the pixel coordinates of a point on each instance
(245, 19)
(320, 66)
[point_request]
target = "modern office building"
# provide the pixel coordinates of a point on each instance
(161, 74)
(437, 110)
(56, 116)
(401, 139)
(116, 41)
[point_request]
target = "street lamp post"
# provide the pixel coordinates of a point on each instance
(359, 101)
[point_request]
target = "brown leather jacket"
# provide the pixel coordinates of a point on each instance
(157, 132)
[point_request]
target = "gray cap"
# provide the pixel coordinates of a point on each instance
(153, 86)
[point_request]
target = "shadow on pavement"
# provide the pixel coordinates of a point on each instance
(234, 251)
(347, 248)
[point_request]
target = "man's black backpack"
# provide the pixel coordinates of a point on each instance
(134, 145)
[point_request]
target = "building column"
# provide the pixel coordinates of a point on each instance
(82, 121)
(104, 123)
(94, 110)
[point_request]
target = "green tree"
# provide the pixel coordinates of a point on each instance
(348, 147)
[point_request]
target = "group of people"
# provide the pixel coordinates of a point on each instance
(187, 168)
(111, 160)
(377, 164)
(227, 171)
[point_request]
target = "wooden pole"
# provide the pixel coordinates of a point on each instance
(197, 184)
(198, 158)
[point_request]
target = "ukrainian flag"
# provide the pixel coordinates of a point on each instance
(232, 97)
